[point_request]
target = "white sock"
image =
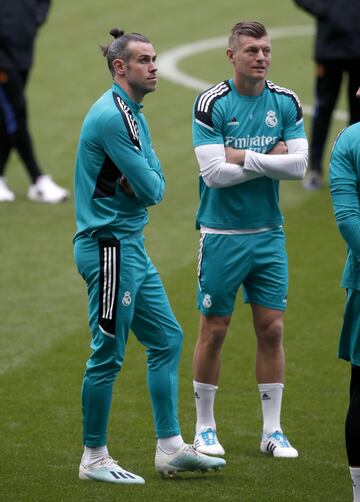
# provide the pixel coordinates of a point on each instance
(170, 444)
(271, 395)
(355, 476)
(204, 400)
(92, 455)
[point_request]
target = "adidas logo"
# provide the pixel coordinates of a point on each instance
(122, 474)
(233, 121)
(265, 397)
(196, 395)
(271, 447)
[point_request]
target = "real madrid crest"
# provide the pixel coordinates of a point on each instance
(207, 303)
(126, 299)
(271, 119)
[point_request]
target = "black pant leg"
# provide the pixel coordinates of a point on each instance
(328, 82)
(14, 117)
(352, 427)
(353, 70)
(5, 144)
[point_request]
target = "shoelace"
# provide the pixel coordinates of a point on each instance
(280, 439)
(209, 437)
(109, 462)
(192, 450)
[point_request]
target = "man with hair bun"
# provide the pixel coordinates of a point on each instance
(248, 134)
(117, 177)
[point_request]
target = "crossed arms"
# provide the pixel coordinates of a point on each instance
(223, 166)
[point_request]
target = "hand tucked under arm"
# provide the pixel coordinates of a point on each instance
(277, 164)
(126, 187)
(218, 170)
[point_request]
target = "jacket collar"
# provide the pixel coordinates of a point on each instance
(135, 107)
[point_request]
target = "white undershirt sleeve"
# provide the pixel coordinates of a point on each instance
(216, 172)
(291, 166)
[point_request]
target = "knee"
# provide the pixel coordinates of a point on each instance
(213, 332)
(168, 351)
(213, 341)
(103, 372)
(270, 334)
(106, 359)
(176, 341)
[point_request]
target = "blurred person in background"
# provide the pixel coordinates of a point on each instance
(337, 53)
(344, 187)
(19, 24)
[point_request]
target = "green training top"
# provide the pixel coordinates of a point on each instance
(115, 141)
(223, 116)
(344, 187)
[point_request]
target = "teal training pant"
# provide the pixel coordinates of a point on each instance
(125, 292)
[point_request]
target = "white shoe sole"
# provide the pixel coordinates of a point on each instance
(168, 465)
(116, 479)
(213, 450)
(37, 198)
(279, 452)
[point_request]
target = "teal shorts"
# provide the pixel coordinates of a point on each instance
(349, 345)
(258, 262)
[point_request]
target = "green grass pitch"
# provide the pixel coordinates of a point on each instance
(44, 334)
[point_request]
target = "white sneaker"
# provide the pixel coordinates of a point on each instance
(185, 458)
(46, 190)
(206, 441)
(6, 195)
(277, 444)
(107, 469)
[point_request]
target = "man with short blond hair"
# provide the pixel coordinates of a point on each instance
(248, 134)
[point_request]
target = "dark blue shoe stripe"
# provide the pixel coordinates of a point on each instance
(123, 475)
(130, 475)
(115, 474)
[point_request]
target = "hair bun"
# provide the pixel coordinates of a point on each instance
(116, 33)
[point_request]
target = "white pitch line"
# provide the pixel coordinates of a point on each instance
(168, 60)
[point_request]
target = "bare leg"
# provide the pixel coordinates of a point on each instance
(270, 359)
(207, 354)
(270, 366)
(207, 361)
